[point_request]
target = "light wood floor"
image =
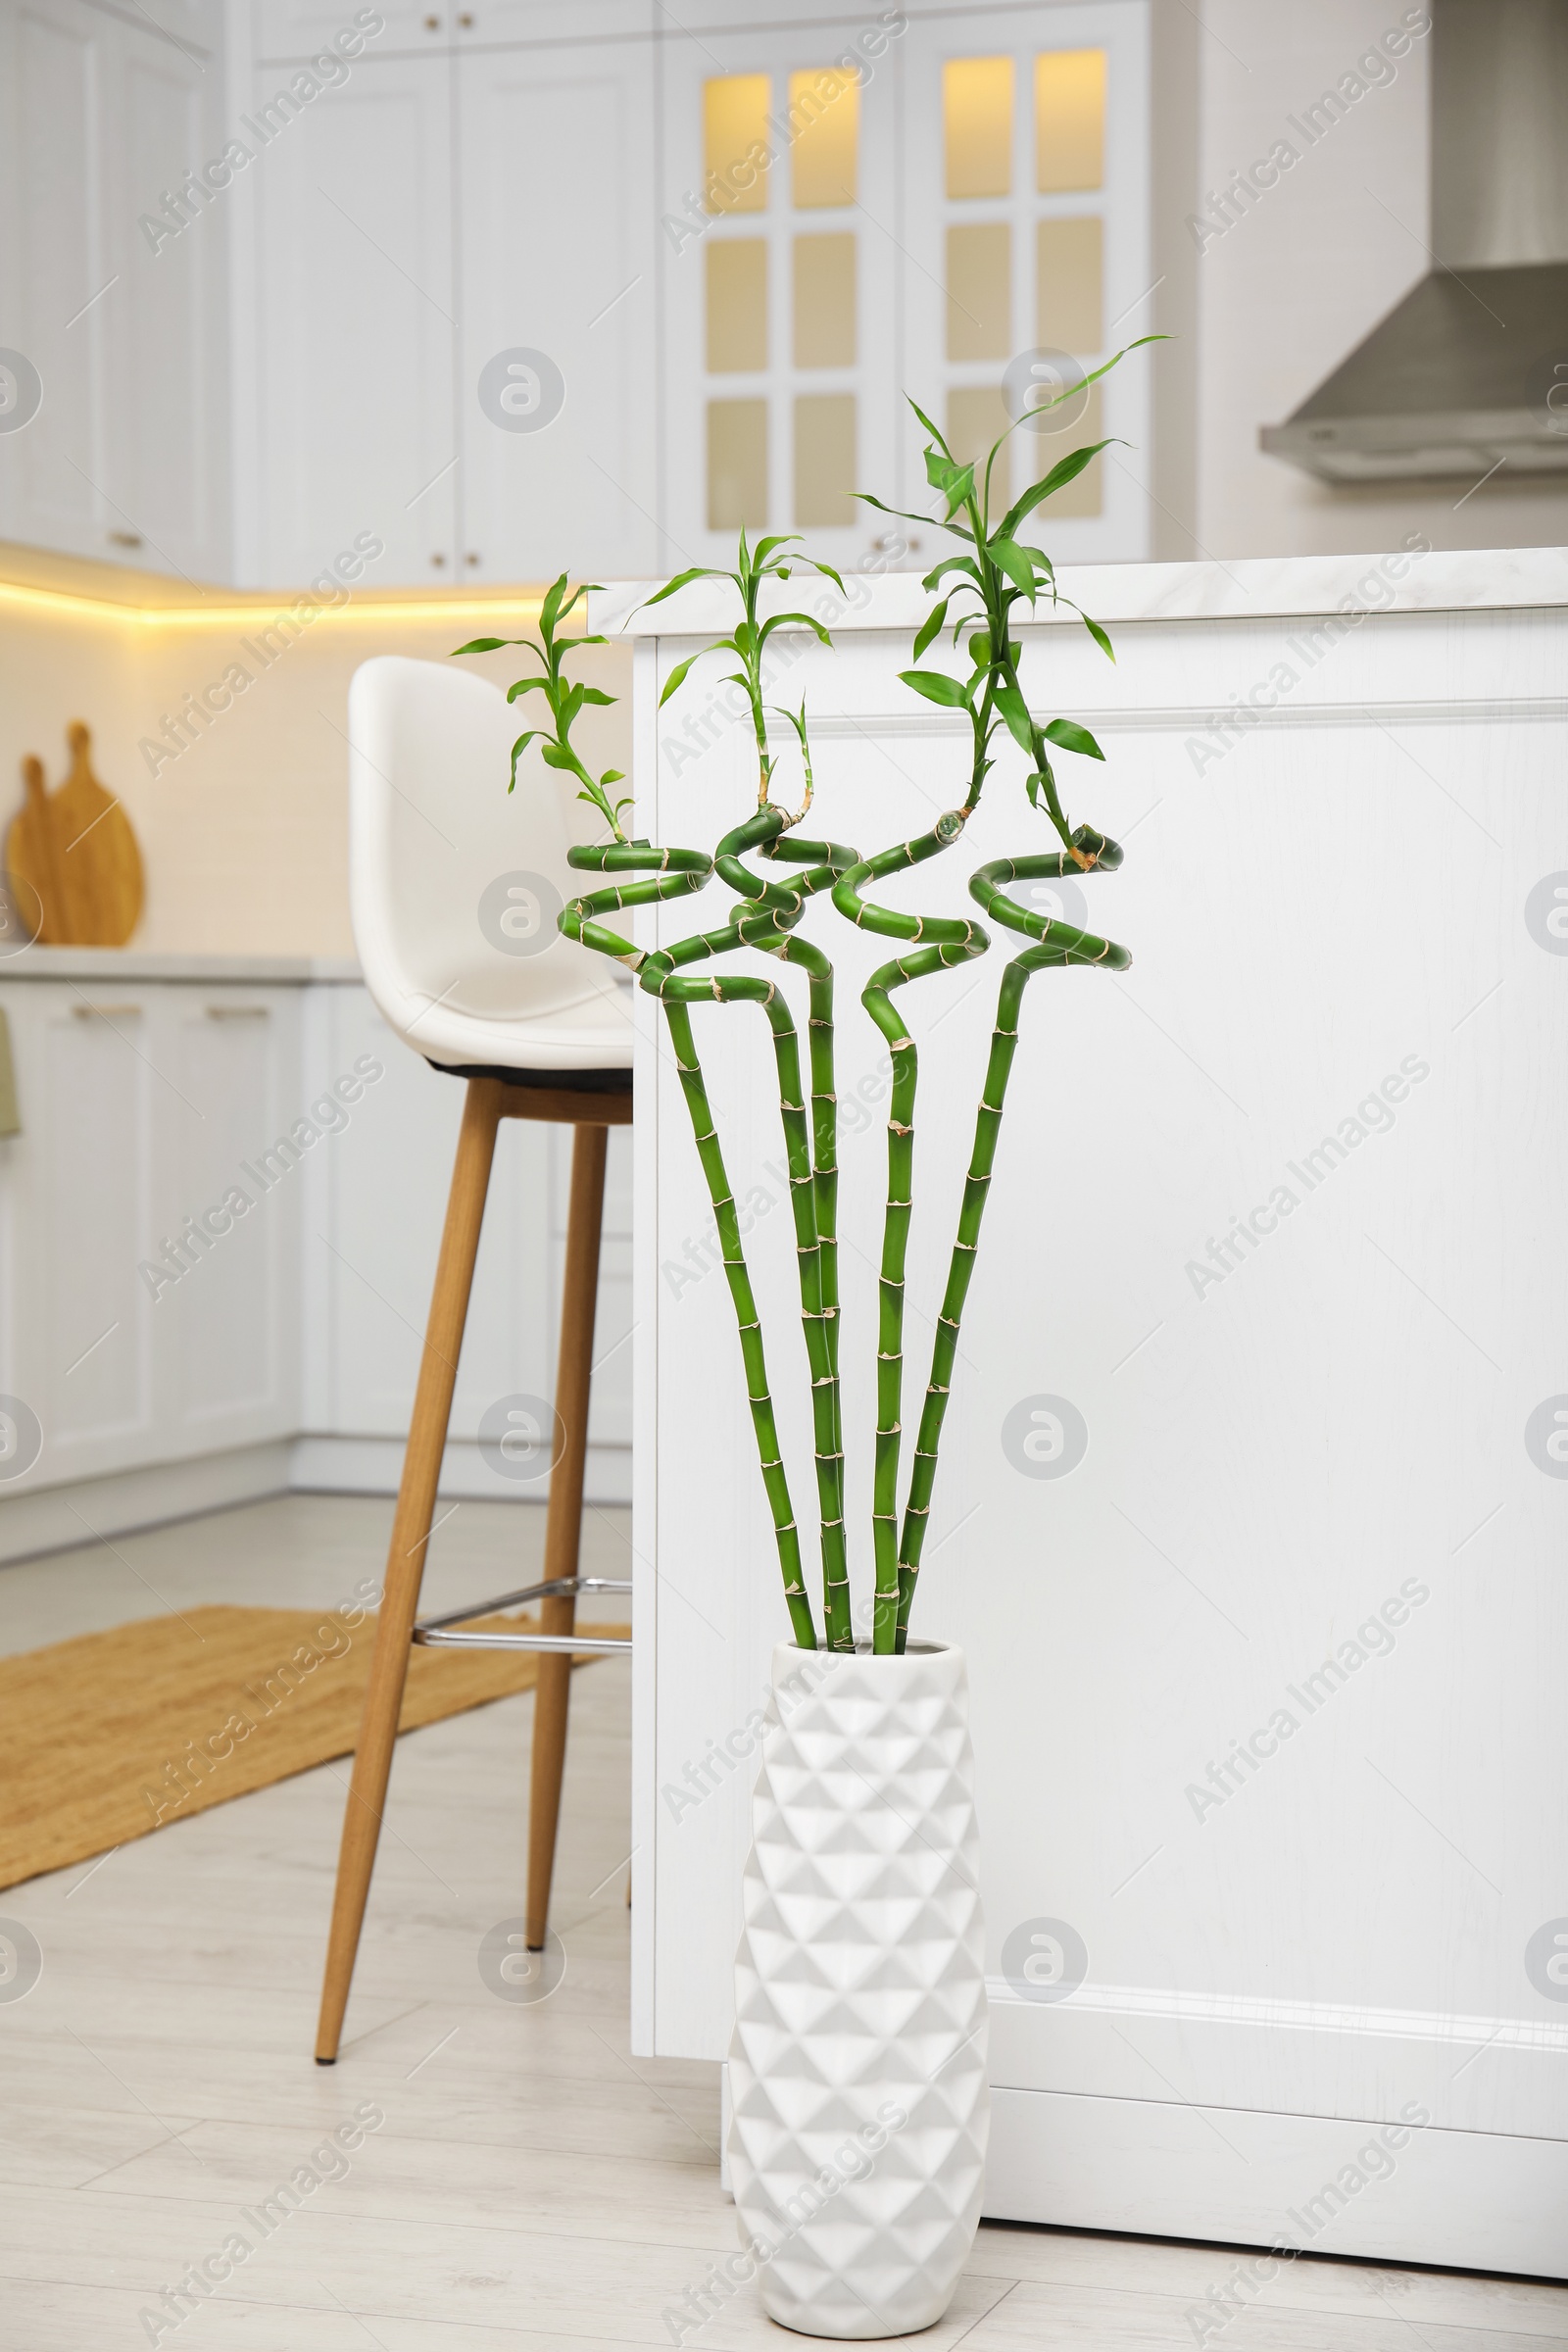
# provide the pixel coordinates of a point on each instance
(533, 2184)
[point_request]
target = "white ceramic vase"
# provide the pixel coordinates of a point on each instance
(858, 2071)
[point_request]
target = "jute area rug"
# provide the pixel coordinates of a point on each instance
(111, 1735)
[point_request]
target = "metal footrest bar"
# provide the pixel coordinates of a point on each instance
(433, 1633)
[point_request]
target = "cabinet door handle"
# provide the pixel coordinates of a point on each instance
(238, 1012)
(104, 1012)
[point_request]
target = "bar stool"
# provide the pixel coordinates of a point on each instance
(455, 887)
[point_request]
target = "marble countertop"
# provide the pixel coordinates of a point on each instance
(151, 963)
(1408, 578)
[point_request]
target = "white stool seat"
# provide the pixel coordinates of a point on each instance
(455, 884)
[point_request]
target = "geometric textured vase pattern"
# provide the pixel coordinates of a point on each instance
(857, 2072)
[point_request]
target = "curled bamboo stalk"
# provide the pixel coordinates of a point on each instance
(1058, 945)
(773, 909)
(679, 872)
(936, 944)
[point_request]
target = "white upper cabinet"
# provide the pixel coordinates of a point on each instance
(291, 28)
(1026, 255)
(354, 359)
(523, 285)
(782, 257)
(951, 207)
(557, 414)
(299, 30)
(118, 327)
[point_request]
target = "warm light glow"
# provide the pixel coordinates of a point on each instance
(1069, 121)
(824, 131)
(977, 118)
(67, 604)
(735, 143)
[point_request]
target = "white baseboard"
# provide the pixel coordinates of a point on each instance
(1240, 2176)
(60, 1518)
(333, 1465)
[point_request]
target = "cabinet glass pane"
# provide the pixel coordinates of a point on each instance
(735, 143)
(977, 418)
(737, 305)
(980, 290)
(1069, 120)
(825, 130)
(737, 465)
(977, 118)
(824, 301)
(824, 460)
(1067, 283)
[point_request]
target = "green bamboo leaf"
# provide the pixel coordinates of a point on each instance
(781, 620)
(934, 434)
(957, 488)
(524, 686)
(964, 566)
(615, 775)
(935, 686)
(549, 611)
(1015, 562)
(1068, 736)
(1098, 636)
(931, 628)
(1068, 469)
(698, 572)
(1010, 703)
(900, 513)
(676, 678)
(487, 644)
(518, 749)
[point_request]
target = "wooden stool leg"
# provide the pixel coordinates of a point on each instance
(564, 1528)
(404, 1565)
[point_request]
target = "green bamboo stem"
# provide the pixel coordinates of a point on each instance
(937, 944)
(1059, 945)
(775, 907)
(680, 872)
(764, 921)
(659, 975)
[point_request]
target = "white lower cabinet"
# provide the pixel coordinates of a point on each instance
(147, 1316)
(219, 1230)
(373, 1205)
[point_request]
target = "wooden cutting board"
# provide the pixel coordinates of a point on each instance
(74, 853)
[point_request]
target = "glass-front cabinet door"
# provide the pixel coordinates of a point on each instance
(952, 207)
(780, 254)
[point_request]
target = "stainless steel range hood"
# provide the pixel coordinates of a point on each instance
(1471, 369)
